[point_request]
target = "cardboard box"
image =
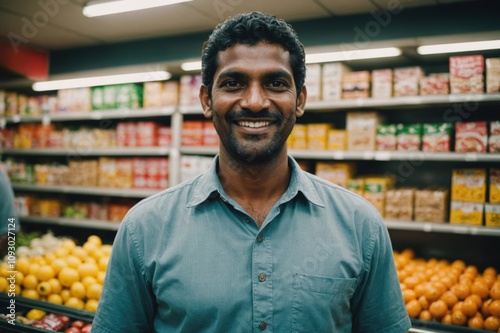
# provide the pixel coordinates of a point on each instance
(436, 137)
(153, 94)
(317, 135)
(313, 82)
(494, 138)
(406, 81)
(468, 185)
(361, 130)
(493, 75)
(471, 137)
(494, 195)
(466, 213)
(299, 137)
(492, 215)
(356, 185)
(356, 85)
(466, 74)
(189, 90)
(382, 83)
(431, 205)
(337, 173)
(409, 137)
(331, 76)
(336, 140)
(192, 133)
(435, 84)
(399, 204)
(375, 191)
(386, 137)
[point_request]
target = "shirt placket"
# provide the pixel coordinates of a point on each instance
(262, 284)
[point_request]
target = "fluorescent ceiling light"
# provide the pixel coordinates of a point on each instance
(191, 66)
(100, 8)
(101, 80)
(459, 47)
(352, 55)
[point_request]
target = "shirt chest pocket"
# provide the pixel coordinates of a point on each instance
(321, 304)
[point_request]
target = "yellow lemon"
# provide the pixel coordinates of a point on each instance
(45, 273)
(90, 248)
(55, 285)
(103, 263)
(88, 269)
(58, 264)
(30, 281)
(55, 299)
(61, 252)
(23, 265)
(94, 291)
(65, 295)
(19, 277)
(79, 252)
(30, 293)
(18, 289)
(67, 276)
(49, 257)
(34, 267)
(106, 250)
(73, 261)
(4, 284)
(35, 314)
(95, 239)
(88, 280)
(77, 290)
(44, 288)
(91, 305)
(100, 277)
(4, 271)
(75, 303)
(68, 244)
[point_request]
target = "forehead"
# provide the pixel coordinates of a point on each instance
(260, 57)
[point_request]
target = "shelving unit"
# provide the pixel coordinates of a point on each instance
(86, 190)
(69, 222)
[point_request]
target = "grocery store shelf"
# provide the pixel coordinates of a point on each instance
(72, 222)
(88, 190)
(94, 115)
(84, 151)
(443, 228)
(199, 150)
(405, 101)
(191, 109)
(394, 155)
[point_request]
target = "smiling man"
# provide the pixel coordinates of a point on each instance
(255, 244)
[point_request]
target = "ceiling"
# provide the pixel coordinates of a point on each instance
(60, 24)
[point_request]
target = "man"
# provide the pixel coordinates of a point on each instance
(8, 213)
(254, 244)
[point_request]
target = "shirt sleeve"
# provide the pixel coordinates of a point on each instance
(127, 302)
(378, 303)
(7, 206)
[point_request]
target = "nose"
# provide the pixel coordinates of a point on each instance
(255, 98)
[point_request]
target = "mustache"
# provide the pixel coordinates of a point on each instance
(245, 113)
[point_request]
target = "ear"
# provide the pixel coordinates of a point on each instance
(301, 102)
(205, 102)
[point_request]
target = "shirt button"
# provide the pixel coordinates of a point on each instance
(262, 277)
(247, 220)
(260, 238)
(262, 325)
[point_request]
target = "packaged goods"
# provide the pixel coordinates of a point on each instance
(189, 90)
(436, 137)
(361, 130)
(11, 104)
(493, 75)
(128, 96)
(299, 137)
(471, 137)
(399, 204)
(3, 104)
(107, 172)
(466, 74)
(317, 135)
(74, 100)
(210, 137)
(139, 172)
(97, 96)
(192, 166)
(435, 84)
(170, 94)
(406, 81)
(431, 205)
(332, 74)
(386, 137)
(492, 215)
(494, 185)
(468, 185)
(313, 82)
(375, 190)
(124, 174)
(466, 213)
(163, 172)
(192, 133)
(337, 173)
(22, 105)
(356, 85)
(494, 138)
(147, 133)
(382, 83)
(164, 136)
(356, 185)
(408, 137)
(336, 139)
(153, 94)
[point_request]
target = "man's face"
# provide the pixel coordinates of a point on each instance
(254, 102)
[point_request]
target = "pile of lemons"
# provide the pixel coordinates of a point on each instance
(71, 275)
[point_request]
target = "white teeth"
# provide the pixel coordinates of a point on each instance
(252, 124)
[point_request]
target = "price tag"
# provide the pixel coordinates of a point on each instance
(470, 157)
(383, 155)
(368, 155)
(46, 119)
(16, 118)
(338, 155)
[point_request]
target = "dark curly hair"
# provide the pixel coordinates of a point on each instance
(252, 28)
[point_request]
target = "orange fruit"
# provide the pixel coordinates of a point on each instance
(420, 289)
(478, 300)
(484, 308)
(495, 291)
(432, 293)
(459, 264)
(425, 315)
(457, 306)
(413, 308)
(408, 295)
(494, 308)
(492, 323)
(490, 271)
(480, 288)
(469, 307)
(449, 298)
(458, 318)
(476, 322)
(446, 319)
(461, 290)
(423, 302)
(411, 281)
(471, 270)
(438, 309)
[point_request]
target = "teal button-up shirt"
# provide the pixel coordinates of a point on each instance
(190, 259)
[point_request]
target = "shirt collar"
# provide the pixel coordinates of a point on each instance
(209, 184)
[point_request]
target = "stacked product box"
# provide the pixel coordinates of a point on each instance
(159, 94)
(382, 83)
(408, 137)
(375, 189)
(83, 173)
(74, 100)
(356, 85)
(317, 135)
(406, 81)
(332, 74)
(189, 90)
(494, 137)
(361, 130)
(386, 137)
(468, 195)
(399, 204)
(356, 185)
(119, 96)
(431, 205)
(210, 137)
(313, 82)
(436, 137)
(435, 84)
(471, 137)
(493, 75)
(336, 173)
(466, 74)
(298, 137)
(492, 208)
(192, 133)
(336, 139)
(192, 166)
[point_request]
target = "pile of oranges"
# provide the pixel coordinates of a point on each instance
(449, 292)
(71, 275)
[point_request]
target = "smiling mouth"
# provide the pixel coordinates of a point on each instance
(254, 124)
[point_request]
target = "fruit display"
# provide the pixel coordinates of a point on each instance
(451, 293)
(66, 274)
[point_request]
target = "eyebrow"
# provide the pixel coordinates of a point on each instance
(268, 76)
